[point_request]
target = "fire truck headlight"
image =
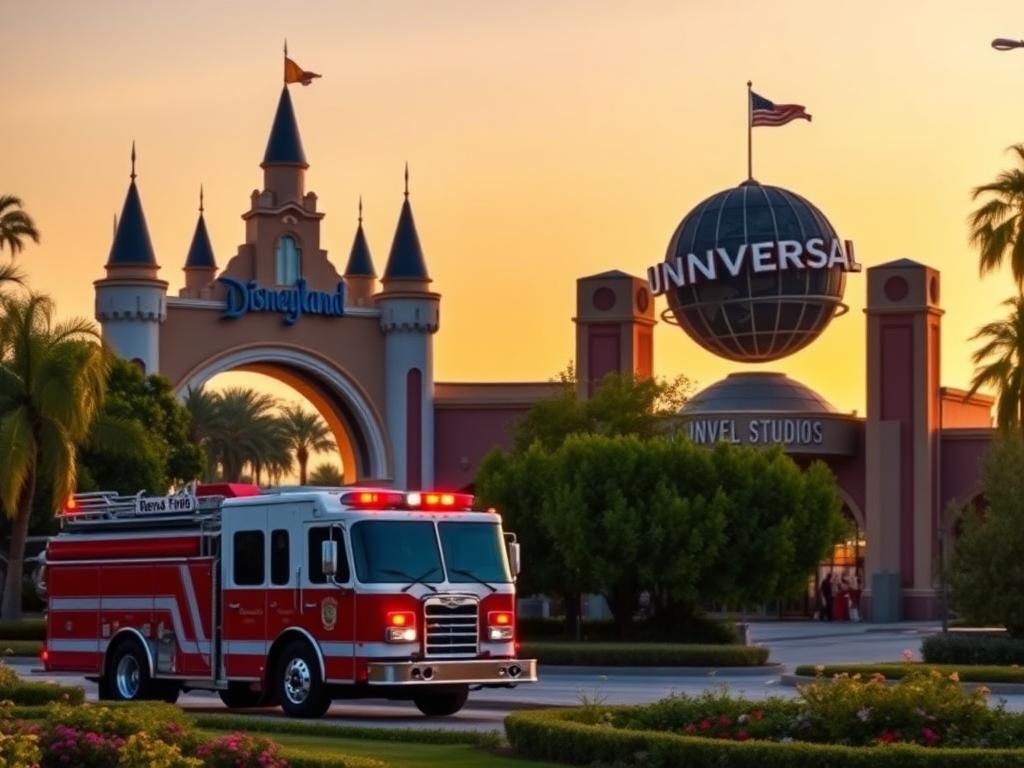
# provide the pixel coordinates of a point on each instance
(400, 635)
(500, 634)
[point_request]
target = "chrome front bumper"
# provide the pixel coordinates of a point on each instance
(471, 671)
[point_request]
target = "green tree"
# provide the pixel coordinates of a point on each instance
(163, 453)
(203, 406)
(305, 432)
(986, 581)
(326, 474)
(15, 225)
(621, 405)
(52, 384)
(245, 432)
(620, 515)
(1000, 364)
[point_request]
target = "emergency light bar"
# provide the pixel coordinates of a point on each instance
(427, 500)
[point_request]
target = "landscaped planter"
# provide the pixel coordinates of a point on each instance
(926, 720)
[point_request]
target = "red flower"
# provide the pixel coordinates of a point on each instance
(931, 738)
(741, 736)
(690, 728)
(757, 714)
(724, 720)
(704, 725)
(888, 737)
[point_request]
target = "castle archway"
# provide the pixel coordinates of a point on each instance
(357, 427)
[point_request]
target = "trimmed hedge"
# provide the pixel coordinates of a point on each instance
(556, 735)
(897, 670)
(21, 648)
(972, 649)
(644, 654)
(31, 693)
(700, 631)
(301, 758)
(258, 724)
(24, 629)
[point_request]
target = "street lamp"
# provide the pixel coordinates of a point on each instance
(1002, 44)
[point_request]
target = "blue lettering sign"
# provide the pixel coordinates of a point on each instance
(293, 303)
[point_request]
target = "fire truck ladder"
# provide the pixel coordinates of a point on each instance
(109, 509)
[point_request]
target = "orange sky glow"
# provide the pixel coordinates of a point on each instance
(547, 140)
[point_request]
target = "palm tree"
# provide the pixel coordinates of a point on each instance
(305, 432)
(326, 474)
(247, 431)
(15, 225)
(997, 226)
(1000, 364)
(204, 407)
(53, 381)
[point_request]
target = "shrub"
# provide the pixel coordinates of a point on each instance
(972, 649)
(64, 745)
(32, 693)
(165, 721)
(240, 750)
(700, 631)
(19, 750)
(894, 671)
(24, 629)
(645, 654)
(144, 751)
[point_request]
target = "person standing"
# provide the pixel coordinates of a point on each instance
(826, 597)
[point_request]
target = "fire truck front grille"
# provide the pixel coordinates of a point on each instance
(453, 626)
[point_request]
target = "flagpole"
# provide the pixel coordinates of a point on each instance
(750, 133)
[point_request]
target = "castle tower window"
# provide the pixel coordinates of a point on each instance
(289, 261)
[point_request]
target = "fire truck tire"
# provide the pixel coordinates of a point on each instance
(300, 686)
(442, 703)
(127, 676)
(241, 696)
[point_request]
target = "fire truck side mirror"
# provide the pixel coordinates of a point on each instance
(513, 557)
(329, 557)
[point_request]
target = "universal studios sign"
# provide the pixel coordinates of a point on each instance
(757, 258)
(291, 303)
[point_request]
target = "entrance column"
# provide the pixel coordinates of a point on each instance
(901, 441)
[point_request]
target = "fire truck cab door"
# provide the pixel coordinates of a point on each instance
(245, 578)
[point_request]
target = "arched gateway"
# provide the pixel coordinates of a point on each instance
(359, 351)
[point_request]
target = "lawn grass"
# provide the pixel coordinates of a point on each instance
(968, 673)
(404, 754)
(20, 648)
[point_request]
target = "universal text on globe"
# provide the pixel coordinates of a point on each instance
(761, 257)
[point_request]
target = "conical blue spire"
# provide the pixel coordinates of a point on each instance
(360, 263)
(285, 146)
(132, 246)
(200, 253)
(406, 262)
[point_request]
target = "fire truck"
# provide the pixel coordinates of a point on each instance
(293, 597)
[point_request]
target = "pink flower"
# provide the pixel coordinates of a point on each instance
(757, 714)
(724, 720)
(704, 725)
(690, 728)
(931, 738)
(741, 736)
(908, 655)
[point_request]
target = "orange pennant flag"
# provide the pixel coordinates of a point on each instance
(293, 73)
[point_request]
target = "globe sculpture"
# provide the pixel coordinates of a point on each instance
(754, 273)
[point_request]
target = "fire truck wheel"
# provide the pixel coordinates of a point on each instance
(442, 703)
(127, 676)
(241, 696)
(301, 688)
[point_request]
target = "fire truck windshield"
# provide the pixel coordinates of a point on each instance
(474, 552)
(383, 548)
(387, 551)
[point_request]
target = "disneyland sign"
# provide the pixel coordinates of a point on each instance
(796, 434)
(751, 258)
(292, 303)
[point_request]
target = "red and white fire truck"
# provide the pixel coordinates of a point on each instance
(295, 597)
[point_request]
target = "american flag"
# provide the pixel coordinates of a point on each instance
(764, 112)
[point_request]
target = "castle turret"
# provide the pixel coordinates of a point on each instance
(284, 163)
(200, 265)
(360, 276)
(131, 301)
(409, 319)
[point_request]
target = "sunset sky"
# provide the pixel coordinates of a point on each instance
(547, 140)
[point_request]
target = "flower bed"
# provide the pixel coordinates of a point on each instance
(143, 735)
(644, 654)
(925, 720)
(898, 670)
